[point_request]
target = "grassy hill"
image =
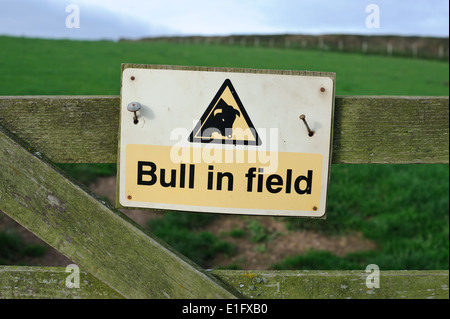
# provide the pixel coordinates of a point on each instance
(34, 66)
(406, 214)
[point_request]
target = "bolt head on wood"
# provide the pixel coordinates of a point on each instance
(134, 107)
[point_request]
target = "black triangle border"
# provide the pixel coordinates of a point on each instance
(226, 84)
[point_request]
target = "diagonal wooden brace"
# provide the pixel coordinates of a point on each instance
(98, 238)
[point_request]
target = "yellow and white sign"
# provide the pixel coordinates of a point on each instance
(225, 141)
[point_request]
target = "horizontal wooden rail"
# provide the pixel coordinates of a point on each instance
(337, 284)
(367, 129)
(23, 282)
(98, 238)
(49, 282)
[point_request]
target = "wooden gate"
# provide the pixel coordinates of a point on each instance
(118, 259)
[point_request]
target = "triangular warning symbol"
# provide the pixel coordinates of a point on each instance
(225, 121)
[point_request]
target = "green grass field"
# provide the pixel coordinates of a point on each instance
(40, 67)
(404, 209)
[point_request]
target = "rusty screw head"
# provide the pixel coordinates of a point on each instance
(132, 78)
(322, 90)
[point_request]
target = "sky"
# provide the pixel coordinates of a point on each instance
(133, 19)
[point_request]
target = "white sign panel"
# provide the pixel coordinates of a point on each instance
(225, 140)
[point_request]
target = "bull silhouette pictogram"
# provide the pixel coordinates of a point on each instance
(221, 120)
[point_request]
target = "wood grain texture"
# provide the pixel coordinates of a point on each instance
(387, 129)
(367, 129)
(98, 238)
(48, 282)
(336, 284)
(22, 282)
(66, 129)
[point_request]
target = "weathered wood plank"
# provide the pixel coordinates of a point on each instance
(48, 282)
(367, 129)
(99, 239)
(371, 129)
(20, 282)
(298, 284)
(67, 129)
(387, 129)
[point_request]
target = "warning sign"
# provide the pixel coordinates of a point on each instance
(225, 121)
(225, 141)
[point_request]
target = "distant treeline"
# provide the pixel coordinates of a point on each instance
(417, 47)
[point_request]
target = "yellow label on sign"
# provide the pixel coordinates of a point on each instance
(223, 178)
